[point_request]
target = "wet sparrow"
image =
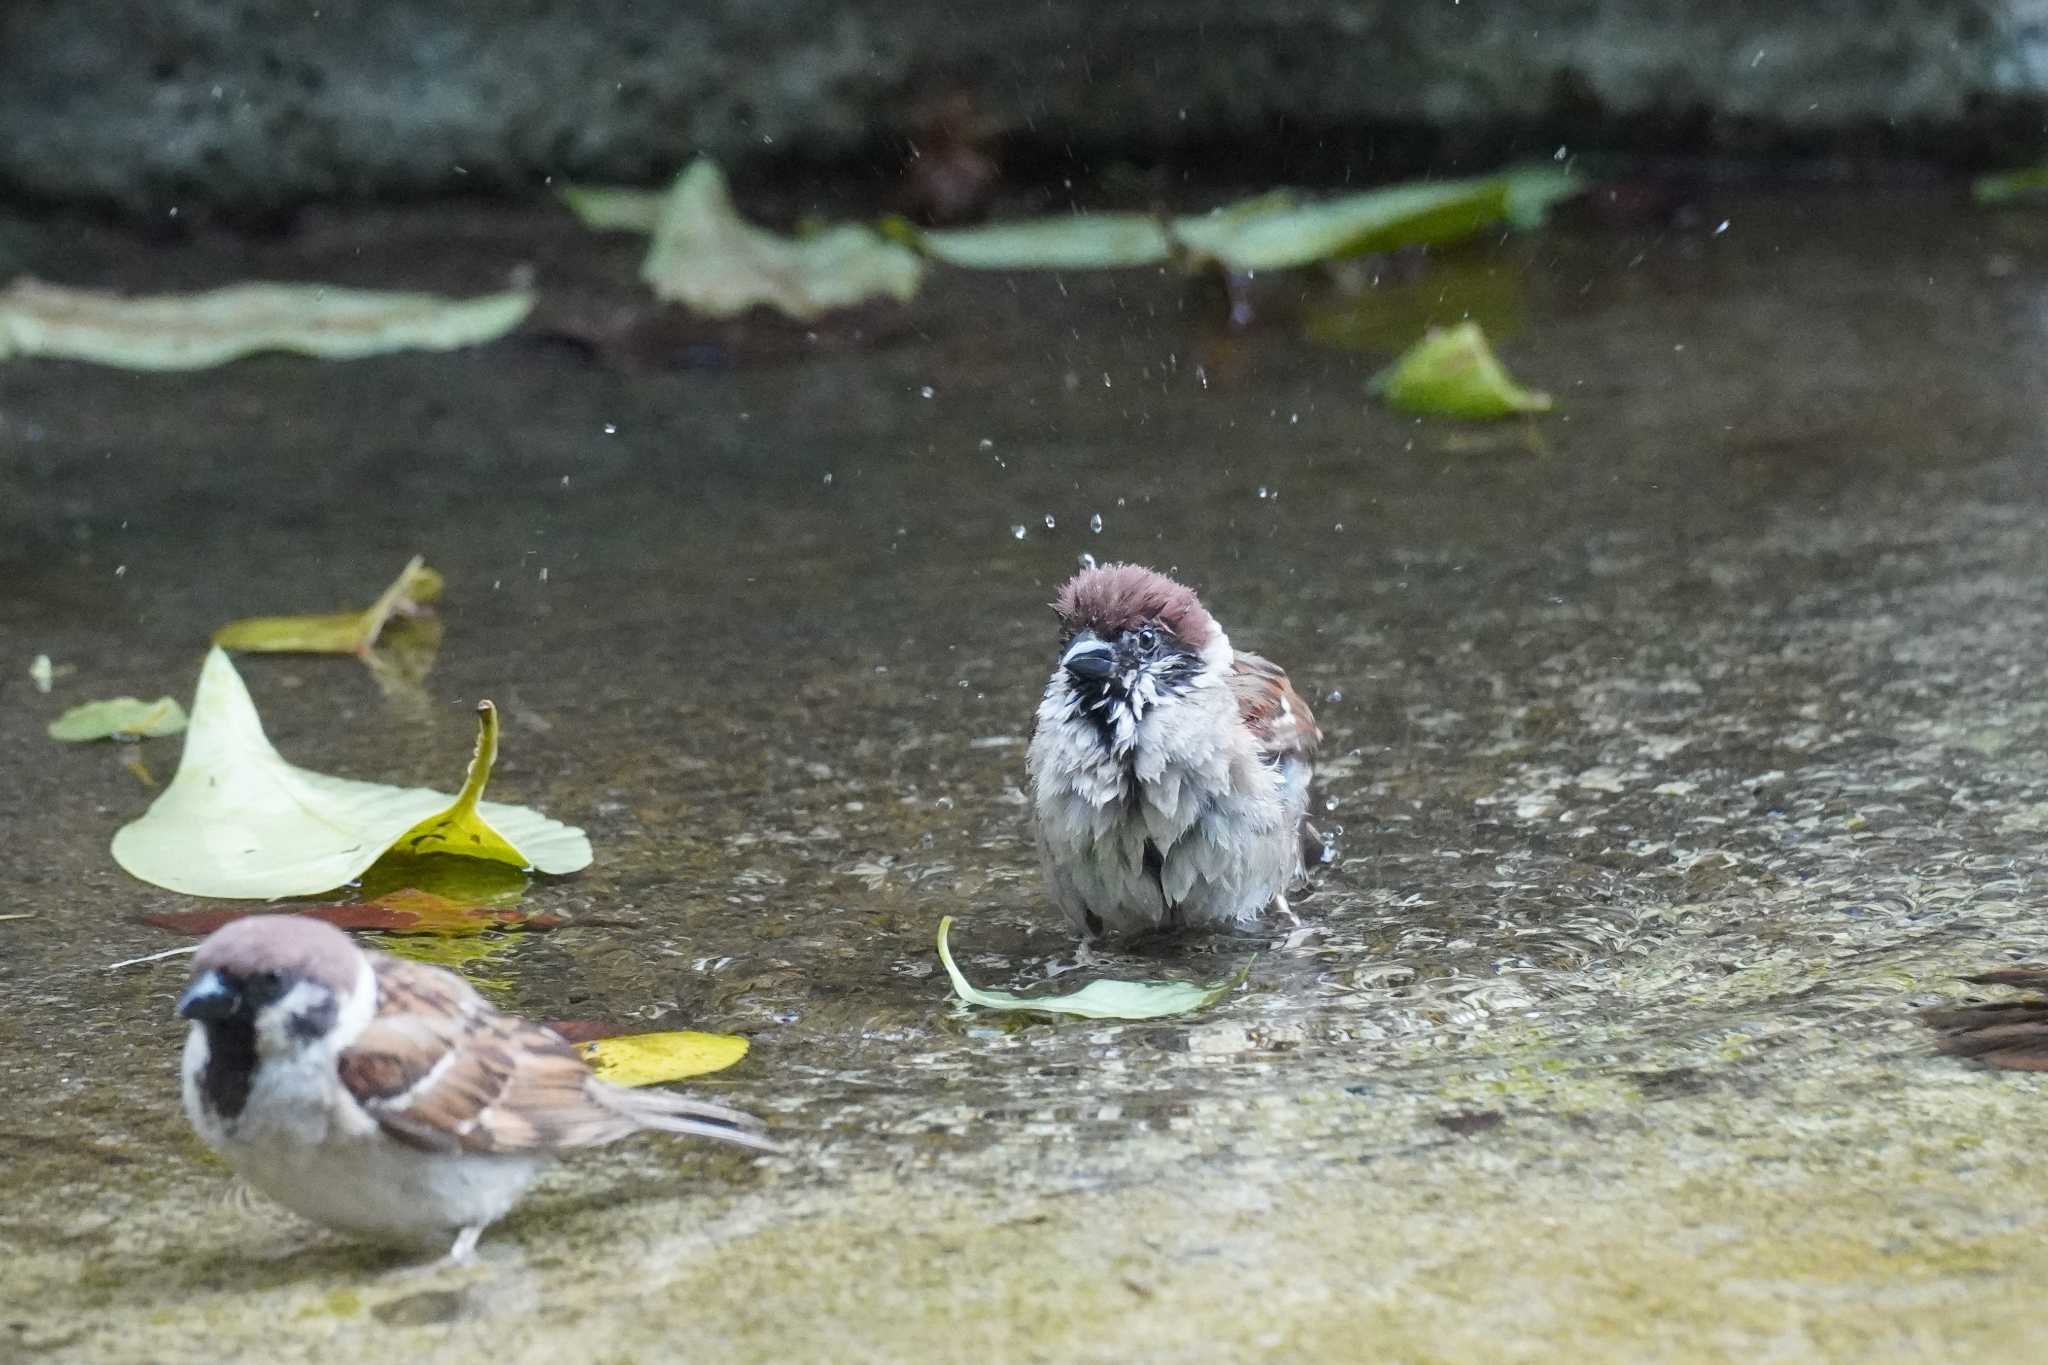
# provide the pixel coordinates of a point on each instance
(385, 1098)
(1169, 773)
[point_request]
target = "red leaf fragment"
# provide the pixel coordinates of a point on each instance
(405, 911)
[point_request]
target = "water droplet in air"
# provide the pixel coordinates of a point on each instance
(828, 480)
(611, 429)
(1095, 523)
(1336, 694)
(1087, 561)
(984, 444)
(1330, 803)
(1263, 493)
(1048, 521)
(1018, 531)
(927, 392)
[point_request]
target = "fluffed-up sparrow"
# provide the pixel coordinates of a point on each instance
(1169, 772)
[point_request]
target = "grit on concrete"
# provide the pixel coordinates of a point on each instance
(1684, 744)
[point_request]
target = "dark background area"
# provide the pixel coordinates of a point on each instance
(252, 108)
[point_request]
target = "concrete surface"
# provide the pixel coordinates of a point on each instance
(1684, 744)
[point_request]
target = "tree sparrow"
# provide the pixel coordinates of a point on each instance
(1169, 773)
(385, 1098)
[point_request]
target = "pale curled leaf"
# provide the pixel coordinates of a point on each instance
(240, 822)
(193, 331)
(1080, 241)
(658, 1058)
(1452, 372)
(606, 208)
(708, 258)
(1274, 233)
(416, 588)
(1097, 999)
(120, 717)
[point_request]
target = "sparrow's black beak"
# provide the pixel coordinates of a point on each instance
(210, 999)
(1089, 659)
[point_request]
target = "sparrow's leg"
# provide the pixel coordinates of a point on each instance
(464, 1250)
(1280, 904)
(463, 1253)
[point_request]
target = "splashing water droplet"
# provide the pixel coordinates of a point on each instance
(1095, 523)
(927, 392)
(611, 429)
(1087, 561)
(1336, 694)
(1329, 803)
(984, 444)
(1048, 521)
(1018, 531)
(1263, 493)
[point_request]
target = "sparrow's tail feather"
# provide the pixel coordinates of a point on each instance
(669, 1112)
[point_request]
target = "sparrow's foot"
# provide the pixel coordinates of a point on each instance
(1280, 904)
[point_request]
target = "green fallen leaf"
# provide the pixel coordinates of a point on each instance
(416, 588)
(1452, 372)
(240, 822)
(2011, 187)
(708, 258)
(122, 717)
(1273, 233)
(193, 331)
(1097, 999)
(657, 1058)
(1081, 241)
(609, 209)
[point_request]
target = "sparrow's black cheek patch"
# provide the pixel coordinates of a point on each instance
(230, 1061)
(312, 1022)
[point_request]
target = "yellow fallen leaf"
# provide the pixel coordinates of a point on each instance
(193, 331)
(656, 1058)
(711, 260)
(416, 588)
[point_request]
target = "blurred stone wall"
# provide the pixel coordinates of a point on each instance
(254, 105)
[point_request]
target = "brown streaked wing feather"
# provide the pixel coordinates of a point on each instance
(1272, 710)
(2004, 1033)
(439, 1069)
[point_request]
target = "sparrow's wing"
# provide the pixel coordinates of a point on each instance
(2007, 1033)
(1273, 711)
(439, 1069)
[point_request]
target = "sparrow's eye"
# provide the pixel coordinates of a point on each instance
(1148, 639)
(260, 988)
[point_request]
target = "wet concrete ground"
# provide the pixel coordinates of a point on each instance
(1683, 744)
